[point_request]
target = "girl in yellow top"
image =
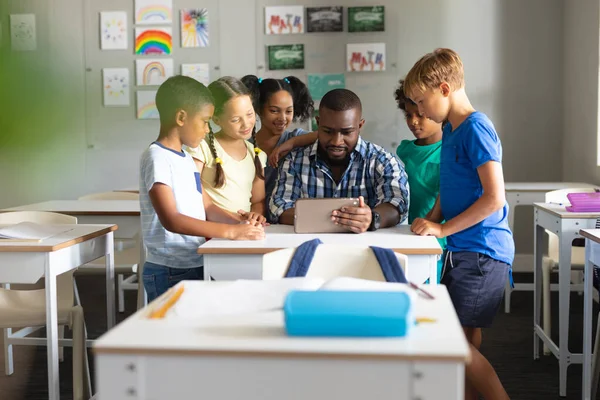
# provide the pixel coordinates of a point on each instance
(231, 168)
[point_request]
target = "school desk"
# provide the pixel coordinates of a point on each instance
(232, 259)
(250, 357)
(566, 225)
(592, 257)
(525, 194)
(27, 262)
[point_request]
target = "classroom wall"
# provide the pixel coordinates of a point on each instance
(513, 51)
(580, 150)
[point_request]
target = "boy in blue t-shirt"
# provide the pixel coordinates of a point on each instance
(472, 202)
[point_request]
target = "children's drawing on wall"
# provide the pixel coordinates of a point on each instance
(113, 30)
(324, 19)
(153, 41)
(115, 82)
(366, 19)
(367, 57)
(194, 28)
(146, 104)
(197, 71)
(286, 56)
(22, 32)
(284, 20)
(153, 72)
(152, 12)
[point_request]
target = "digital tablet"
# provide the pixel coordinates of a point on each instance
(314, 215)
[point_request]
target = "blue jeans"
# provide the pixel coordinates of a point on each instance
(159, 278)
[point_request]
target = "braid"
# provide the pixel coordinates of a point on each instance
(220, 176)
(257, 165)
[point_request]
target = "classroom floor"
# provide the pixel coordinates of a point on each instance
(508, 345)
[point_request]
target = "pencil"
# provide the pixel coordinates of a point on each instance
(419, 289)
(162, 310)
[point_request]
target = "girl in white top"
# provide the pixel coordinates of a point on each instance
(231, 168)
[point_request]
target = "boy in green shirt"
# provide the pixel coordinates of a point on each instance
(421, 158)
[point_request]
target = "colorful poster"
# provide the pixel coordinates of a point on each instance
(197, 71)
(153, 12)
(146, 104)
(22, 32)
(153, 72)
(115, 82)
(319, 84)
(366, 19)
(324, 19)
(368, 57)
(194, 28)
(284, 20)
(113, 30)
(286, 56)
(153, 41)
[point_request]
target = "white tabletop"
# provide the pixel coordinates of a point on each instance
(543, 186)
(398, 238)
(592, 234)
(560, 211)
(84, 207)
(262, 334)
(79, 233)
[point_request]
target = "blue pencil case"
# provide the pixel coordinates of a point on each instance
(348, 313)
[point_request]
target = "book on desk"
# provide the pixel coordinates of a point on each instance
(31, 232)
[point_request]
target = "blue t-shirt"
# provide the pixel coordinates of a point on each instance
(472, 144)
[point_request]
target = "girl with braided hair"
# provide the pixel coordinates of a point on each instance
(231, 168)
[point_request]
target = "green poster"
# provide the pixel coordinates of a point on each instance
(366, 19)
(319, 84)
(286, 56)
(313, 121)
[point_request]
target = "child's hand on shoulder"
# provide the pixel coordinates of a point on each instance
(424, 227)
(253, 218)
(246, 231)
(280, 152)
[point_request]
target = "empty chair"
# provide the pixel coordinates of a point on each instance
(27, 308)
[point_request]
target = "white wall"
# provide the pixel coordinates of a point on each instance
(513, 53)
(582, 31)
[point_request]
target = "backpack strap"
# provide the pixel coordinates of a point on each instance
(388, 262)
(302, 258)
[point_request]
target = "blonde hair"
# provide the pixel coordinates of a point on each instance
(442, 65)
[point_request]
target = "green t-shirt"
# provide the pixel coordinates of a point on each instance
(422, 165)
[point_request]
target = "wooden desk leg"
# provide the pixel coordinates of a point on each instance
(52, 330)
(110, 281)
(587, 322)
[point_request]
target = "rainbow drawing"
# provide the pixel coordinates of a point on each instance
(194, 28)
(153, 41)
(146, 105)
(153, 72)
(149, 12)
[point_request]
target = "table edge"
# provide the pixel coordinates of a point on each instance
(101, 350)
(46, 249)
(266, 250)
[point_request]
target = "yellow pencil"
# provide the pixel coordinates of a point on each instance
(162, 310)
(421, 320)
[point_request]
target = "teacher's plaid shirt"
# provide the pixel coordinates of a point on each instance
(373, 173)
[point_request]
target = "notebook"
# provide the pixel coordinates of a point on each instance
(31, 232)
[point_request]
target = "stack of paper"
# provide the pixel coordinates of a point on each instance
(31, 232)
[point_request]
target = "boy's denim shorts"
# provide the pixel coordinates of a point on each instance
(159, 278)
(476, 285)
